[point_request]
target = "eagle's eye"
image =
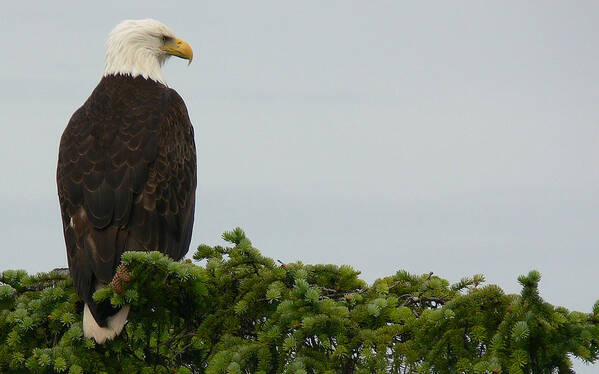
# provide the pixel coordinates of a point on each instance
(165, 38)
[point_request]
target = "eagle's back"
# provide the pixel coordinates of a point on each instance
(126, 179)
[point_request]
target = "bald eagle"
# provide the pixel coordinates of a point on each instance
(126, 168)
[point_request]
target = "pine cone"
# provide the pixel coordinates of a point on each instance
(125, 273)
(117, 284)
(122, 275)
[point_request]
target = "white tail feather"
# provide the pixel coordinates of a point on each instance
(115, 325)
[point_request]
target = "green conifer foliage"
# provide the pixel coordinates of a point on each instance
(236, 311)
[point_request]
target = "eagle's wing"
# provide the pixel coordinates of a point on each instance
(126, 181)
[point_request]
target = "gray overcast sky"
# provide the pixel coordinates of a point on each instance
(454, 137)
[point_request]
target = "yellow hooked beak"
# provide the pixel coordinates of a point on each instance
(178, 47)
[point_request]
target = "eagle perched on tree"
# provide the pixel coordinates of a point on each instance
(126, 168)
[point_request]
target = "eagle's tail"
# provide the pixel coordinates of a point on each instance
(114, 325)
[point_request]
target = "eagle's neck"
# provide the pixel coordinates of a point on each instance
(123, 60)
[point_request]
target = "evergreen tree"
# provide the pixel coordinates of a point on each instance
(241, 312)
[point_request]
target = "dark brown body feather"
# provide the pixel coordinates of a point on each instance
(126, 180)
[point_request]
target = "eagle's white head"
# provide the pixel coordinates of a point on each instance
(140, 47)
